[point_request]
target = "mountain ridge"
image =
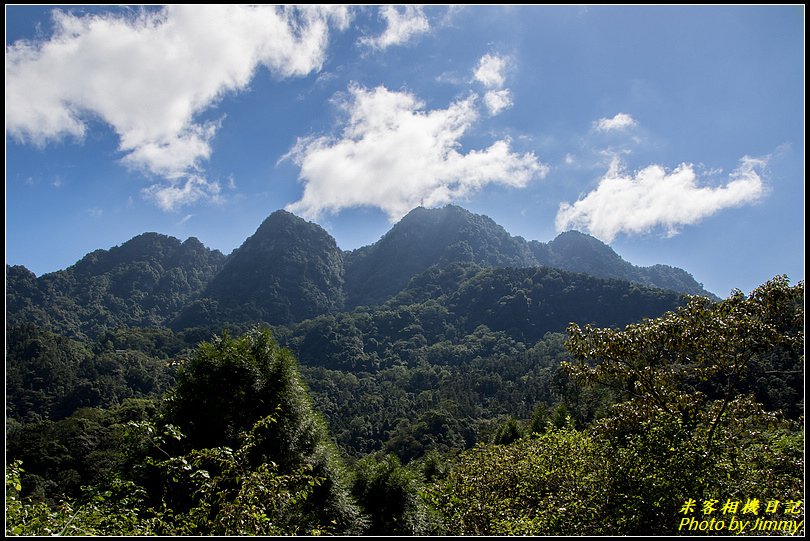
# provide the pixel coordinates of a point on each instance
(471, 238)
(426, 237)
(291, 270)
(287, 257)
(141, 282)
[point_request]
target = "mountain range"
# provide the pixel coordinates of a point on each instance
(292, 270)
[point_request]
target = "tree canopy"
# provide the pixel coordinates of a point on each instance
(458, 406)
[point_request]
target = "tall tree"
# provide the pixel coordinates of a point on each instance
(688, 428)
(229, 384)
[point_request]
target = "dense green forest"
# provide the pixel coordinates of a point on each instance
(609, 432)
(472, 391)
(291, 270)
(141, 283)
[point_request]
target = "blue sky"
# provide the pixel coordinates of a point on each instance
(675, 134)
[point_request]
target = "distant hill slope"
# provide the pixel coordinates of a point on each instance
(141, 283)
(427, 237)
(579, 252)
(442, 306)
(291, 270)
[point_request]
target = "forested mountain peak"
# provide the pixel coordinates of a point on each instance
(20, 271)
(281, 220)
(193, 243)
(579, 252)
(289, 269)
(142, 282)
(164, 250)
(426, 237)
(576, 251)
(441, 236)
(571, 243)
(454, 234)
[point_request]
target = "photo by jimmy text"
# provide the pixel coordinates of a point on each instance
(738, 517)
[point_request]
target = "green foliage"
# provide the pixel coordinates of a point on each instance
(284, 476)
(686, 428)
(231, 383)
(439, 373)
(388, 492)
(522, 304)
(550, 485)
(540, 419)
(229, 496)
(87, 448)
(509, 432)
(660, 461)
(289, 270)
(49, 376)
(702, 352)
(41, 372)
(411, 410)
(114, 511)
(142, 283)
(527, 303)
(156, 342)
(433, 466)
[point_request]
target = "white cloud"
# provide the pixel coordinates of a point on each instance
(491, 71)
(401, 26)
(182, 192)
(175, 155)
(497, 100)
(621, 121)
(394, 155)
(653, 197)
(148, 75)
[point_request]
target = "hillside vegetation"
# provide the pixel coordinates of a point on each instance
(480, 385)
